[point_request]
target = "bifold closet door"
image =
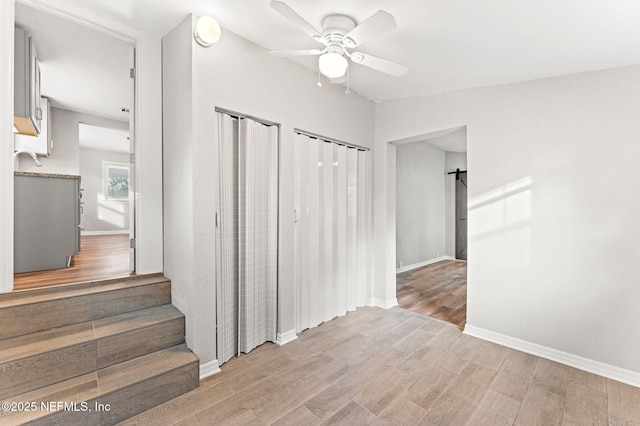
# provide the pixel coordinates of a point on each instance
(258, 234)
(227, 238)
(247, 239)
(330, 261)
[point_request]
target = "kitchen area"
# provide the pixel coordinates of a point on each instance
(72, 191)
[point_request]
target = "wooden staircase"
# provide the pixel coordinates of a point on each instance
(92, 353)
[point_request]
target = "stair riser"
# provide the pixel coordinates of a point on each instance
(140, 397)
(125, 346)
(131, 400)
(26, 374)
(31, 318)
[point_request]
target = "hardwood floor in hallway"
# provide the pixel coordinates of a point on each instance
(101, 257)
(396, 367)
(438, 290)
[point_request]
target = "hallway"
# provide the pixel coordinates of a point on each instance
(438, 290)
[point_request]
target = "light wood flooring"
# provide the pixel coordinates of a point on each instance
(101, 257)
(395, 367)
(438, 290)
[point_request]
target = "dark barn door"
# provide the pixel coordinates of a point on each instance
(461, 216)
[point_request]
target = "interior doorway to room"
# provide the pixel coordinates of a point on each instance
(431, 216)
(85, 76)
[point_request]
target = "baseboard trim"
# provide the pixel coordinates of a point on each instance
(209, 369)
(606, 370)
(425, 263)
(120, 232)
(384, 304)
(286, 337)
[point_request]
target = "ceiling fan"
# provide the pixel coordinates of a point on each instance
(339, 35)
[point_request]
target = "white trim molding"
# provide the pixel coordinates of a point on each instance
(116, 232)
(425, 263)
(286, 337)
(209, 369)
(384, 304)
(612, 372)
(7, 9)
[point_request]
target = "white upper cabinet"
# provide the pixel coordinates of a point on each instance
(27, 114)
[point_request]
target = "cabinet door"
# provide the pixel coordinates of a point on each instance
(35, 111)
(40, 144)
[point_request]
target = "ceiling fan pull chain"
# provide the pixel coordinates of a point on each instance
(348, 91)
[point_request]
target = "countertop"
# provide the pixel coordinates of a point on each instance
(46, 175)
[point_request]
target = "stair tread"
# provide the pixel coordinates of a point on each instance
(93, 385)
(24, 297)
(116, 324)
(143, 368)
(74, 334)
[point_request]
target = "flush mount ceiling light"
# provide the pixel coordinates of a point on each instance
(207, 31)
(333, 64)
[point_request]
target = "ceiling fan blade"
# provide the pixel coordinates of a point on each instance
(296, 19)
(376, 24)
(288, 53)
(379, 64)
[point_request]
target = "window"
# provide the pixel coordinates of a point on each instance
(115, 180)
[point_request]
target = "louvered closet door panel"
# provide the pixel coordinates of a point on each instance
(327, 230)
(227, 239)
(340, 284)
(352, 229)
(301, 231)
(314, 280)
(363, 228)
(271, 273)
(257, 210)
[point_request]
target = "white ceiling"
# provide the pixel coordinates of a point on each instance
(103, 138)
(447, 44)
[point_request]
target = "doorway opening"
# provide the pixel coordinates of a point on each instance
(431, 224)
(87, 84)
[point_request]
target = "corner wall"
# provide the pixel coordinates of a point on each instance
(552, 209)
(178, 206)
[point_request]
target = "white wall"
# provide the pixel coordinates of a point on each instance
(65, 154)
(99, 214)
(453, 161)
(240, 76)
(553, 260)
(420, 203)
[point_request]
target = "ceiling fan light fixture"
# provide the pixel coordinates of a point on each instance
(333, 64)
(207, 31)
